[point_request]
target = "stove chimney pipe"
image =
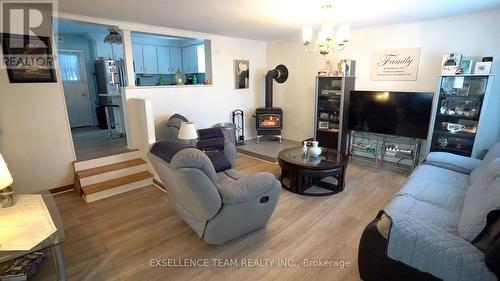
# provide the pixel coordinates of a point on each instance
(280, 74)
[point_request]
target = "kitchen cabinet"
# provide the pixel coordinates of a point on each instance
(193, 58)
(175, 59)
(164, 61)
(189, 59)
(138, 59)
(150, 59)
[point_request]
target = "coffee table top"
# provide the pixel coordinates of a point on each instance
(329, 159)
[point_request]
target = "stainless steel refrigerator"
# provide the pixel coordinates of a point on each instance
(110, 76)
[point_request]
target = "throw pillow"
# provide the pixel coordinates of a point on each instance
(482, 197)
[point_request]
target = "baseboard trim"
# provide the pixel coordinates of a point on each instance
(62, 189)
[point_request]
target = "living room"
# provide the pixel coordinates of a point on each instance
(234, 168)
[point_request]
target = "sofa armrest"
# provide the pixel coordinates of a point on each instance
(247, 188)
(453, 162)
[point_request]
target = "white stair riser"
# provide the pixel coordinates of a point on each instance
(117, 190)
(113, 175)
(108, 160)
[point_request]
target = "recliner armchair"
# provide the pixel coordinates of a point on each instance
(218, 206)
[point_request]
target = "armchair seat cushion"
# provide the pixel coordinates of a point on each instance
(229, 175)
(246, 188)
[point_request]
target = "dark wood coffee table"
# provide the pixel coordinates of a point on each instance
(298, 173)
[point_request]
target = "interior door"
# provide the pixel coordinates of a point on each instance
(75, 88)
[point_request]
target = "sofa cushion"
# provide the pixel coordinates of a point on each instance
(219, 160)
(481, 170)
(482, 197)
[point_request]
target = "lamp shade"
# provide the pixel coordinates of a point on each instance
(187, 131)
(5, 177)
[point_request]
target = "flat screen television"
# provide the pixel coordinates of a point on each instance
(405, 114)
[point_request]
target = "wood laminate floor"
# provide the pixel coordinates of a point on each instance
(116, 238)
(92, 142)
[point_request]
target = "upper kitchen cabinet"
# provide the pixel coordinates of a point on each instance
(193, 58)
(164, 63)
(170, 60)
(150, 63)
(138, 60)
(175, 59)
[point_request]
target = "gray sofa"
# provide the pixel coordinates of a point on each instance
(218, 206)
(444, 223)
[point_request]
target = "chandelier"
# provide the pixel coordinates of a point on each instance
(325, 42)
(114, 37)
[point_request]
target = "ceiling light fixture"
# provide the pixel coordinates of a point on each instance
(325, 42)
(114, 37)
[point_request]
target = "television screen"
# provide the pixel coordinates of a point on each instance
(392, 113)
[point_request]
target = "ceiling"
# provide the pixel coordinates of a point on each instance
(269, 19)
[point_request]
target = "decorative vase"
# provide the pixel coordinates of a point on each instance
(304, 149)
(314, 151)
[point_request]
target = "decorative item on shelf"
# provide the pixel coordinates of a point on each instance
(325, 41)
(323, 125)
(180, 77)
(450, 63)
(239, 121)
(6, 193)
(315, 150)
(188, 132)
(442, 142)
(454, 128)
(304, 149)
(324, 115)
(483, 67)
(346, 67)
(465, 67)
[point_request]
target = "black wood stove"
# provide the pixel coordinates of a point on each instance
(269, 119)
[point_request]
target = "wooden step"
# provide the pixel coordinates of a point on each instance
(97, 187)
(106, 160)
(109, 168)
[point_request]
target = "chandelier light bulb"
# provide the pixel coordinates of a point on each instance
(327, 29)
(343, 33)
(307, 34)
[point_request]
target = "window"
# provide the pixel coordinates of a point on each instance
(70, 67)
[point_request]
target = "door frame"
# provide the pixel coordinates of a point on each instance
(83, 67)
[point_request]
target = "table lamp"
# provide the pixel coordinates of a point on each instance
(6, 194)
(188, 132)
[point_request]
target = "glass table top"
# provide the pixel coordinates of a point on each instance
(328, 158)
(53, 240)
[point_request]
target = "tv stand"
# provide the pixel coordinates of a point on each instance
(384, 151)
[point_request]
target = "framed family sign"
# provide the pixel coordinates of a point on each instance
(395, 65)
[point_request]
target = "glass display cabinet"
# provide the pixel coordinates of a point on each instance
(458, 110)
(332, 101)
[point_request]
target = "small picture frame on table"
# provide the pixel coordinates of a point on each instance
(323, 125)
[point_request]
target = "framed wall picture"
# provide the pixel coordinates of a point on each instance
(28, 59)
(241, 74)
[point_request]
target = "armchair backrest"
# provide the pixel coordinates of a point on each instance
(174, 125)
(189, 177)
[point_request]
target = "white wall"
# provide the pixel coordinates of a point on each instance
(471, 35)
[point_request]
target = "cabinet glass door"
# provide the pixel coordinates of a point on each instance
(328, 117)
(457, 117)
